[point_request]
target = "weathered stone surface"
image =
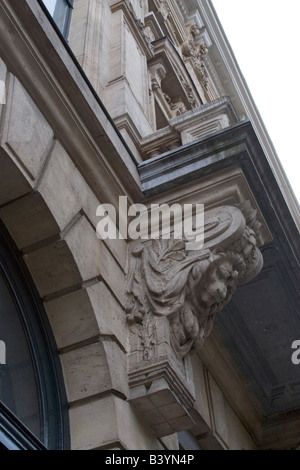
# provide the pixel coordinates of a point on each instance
(29, 220)
(59, 186)
(108, 312)
(86, 248)
(219, 421)
(239, 437)
(67, 193)
(171, 441)
(112, 274)
(109, 421)
(172, 97)
(89, 204)
(205, 120)
(89, 39)
(72, 318)
(94, 425)
(201, 404)
(149, 340)
(27, 135)
(194, 51)
(117, 363)
(160, 394)
(53, 268)
(120, 100)
(78, 258)
(86, 372)
(94, 369)
(13, 184)
(165, 410)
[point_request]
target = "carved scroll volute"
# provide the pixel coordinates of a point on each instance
(172, 297)
(189, 287)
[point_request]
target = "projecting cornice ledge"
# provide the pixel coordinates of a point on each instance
(197, 164)
(197, 159)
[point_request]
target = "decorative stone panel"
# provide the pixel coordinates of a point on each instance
(27, 135)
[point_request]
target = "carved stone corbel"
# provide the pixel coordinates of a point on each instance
(195, 50)
(172, 297)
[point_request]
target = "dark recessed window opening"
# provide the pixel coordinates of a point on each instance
(60, 10)
(33, 405)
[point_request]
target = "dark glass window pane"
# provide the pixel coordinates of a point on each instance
(61, 13)
(50, 5)
(187, 441)
(18, 387)
(33, 404)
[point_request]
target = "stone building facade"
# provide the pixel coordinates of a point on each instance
(150, 345)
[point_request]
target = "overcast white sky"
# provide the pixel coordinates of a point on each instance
(265, 38)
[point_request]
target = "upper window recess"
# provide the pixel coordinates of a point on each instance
(60, 10)
(33, 402)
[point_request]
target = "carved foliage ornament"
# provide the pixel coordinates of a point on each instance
(195, 49)
(190, 287)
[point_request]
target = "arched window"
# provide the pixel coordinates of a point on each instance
(33, 405)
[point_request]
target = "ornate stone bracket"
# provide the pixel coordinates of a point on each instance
(172, 297)
(195, 50)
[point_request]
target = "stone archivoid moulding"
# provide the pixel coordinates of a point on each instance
(173, 295)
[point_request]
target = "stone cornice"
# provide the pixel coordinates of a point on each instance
(237, 145)
(193, 160)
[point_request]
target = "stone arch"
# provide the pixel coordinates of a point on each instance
(50, 211)
(63, 255)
